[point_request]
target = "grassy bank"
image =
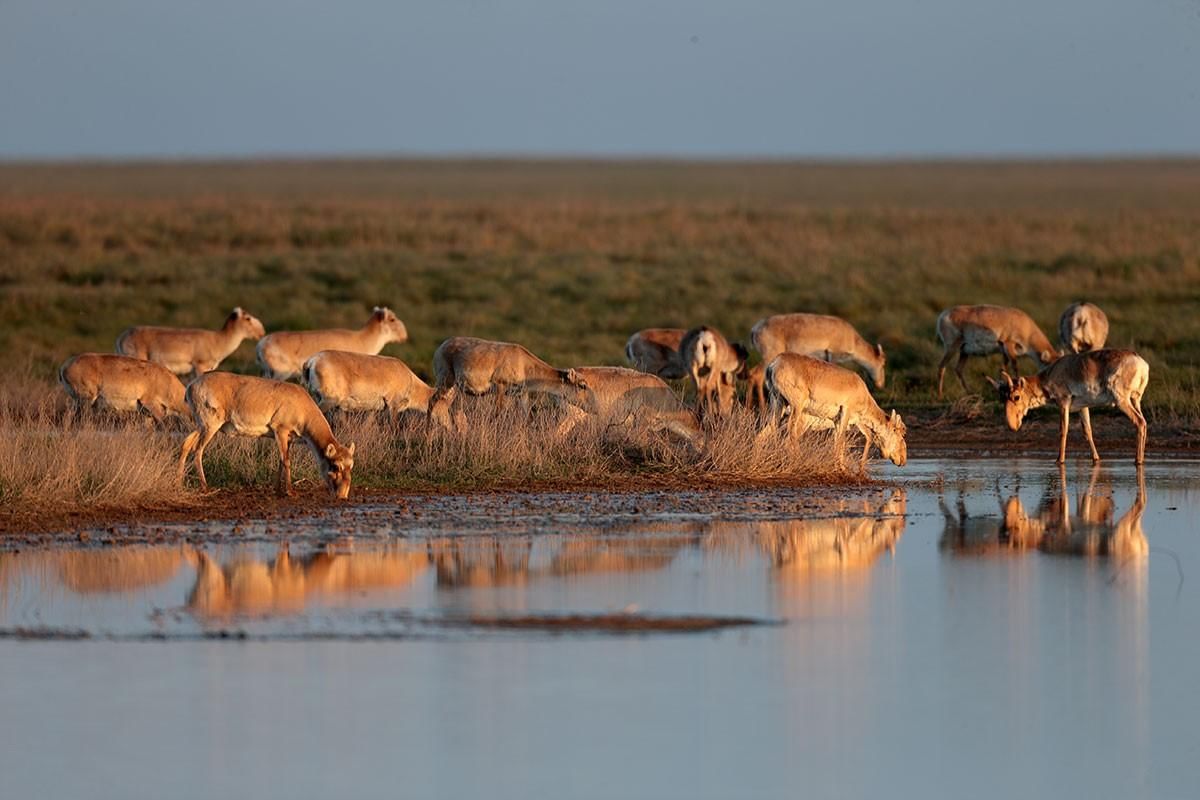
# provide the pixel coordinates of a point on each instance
(569, 258)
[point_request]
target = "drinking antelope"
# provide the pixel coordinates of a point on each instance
(282, 355)
(478, 366)
(190, 351)
(811, 393)
(656, 350)
(258, 407)
(982, 330)
(714, 365)
(123, 384)
(360, 382)
(633, 399)
(1082, 380)
(820, 336)
(1083, 326)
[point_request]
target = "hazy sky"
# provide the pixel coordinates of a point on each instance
(694, 77)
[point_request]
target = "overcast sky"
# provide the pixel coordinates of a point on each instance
(610, 77)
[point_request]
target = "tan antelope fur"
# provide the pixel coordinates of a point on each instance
(968, 331)
(122, 383)
(282, 355)
(714, 366)
(188, 351)
(259, 407)
(359, 382)
(478, 366)
(633, 399)
(811, 393)
(656, 350)
(756, 397)
(820, 336)
(1083, 326)
(1080, 381)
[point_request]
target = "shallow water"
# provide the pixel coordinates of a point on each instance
(968, 631)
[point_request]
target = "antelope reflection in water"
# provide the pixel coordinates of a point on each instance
(88, 572)
(250, 586)
(1052, 528)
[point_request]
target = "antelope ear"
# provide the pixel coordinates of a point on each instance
(237, 311)
(330, 450)
(573, 377)
(894, 416)
(1020, 383)
(350, 449)
(1007, 378)
(879, 350)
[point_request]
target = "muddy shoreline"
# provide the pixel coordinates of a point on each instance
(929, 436)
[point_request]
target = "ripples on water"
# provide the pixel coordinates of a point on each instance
(978, 628)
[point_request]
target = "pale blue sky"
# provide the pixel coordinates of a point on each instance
(618, 77)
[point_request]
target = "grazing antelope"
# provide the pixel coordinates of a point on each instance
(756, 397)
(714, 365)
(812, 393)
(282, 355)
(1083, 326)
(360, 382)
(820, 336)
(247, 406)
(122, 384)
(982, 330)
(478, 366)
(1082, 380)
(190, 351)
(630, 398)
(656, 350)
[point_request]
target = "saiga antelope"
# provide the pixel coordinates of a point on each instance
(714, 365)
(982, 330)
(810, 393)
(1082, 380)
(820, 336)
(656, 350)
(190, 351)
(359, 382)
(258, 407)
(1083, 326)
(123, 384)
(282, 355)
(478, 366)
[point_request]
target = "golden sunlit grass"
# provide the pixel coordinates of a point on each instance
(52, 459)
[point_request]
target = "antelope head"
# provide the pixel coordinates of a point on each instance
(250, 327)
(338, 462)
(388, 322)
(877, 370)
(893, 445)
(578, 393)
(1019, 397)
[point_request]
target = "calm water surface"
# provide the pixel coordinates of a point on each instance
(976, 629)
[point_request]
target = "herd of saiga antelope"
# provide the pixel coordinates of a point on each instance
(797, 378)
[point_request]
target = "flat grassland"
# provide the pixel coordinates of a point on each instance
(570, 257)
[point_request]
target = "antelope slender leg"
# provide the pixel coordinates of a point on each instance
(959, 366)
(1062, 439)
(189, 444)
(1085, 418)
(283, 439)
(866, 449)
(205, 437)
(951, 351)
(1139, 421)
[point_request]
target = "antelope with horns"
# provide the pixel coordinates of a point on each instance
(122, 383)
(714, 365)
(636, 400)
(1082, 380)
(258, 407)
(478, 366)
(190, 351)
(982, 330)
(811, 393)
(282, 355)
(1083, 326)
(656, 350)
(360, 382)
(820, 336)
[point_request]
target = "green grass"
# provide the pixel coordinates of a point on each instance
(570, 258)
